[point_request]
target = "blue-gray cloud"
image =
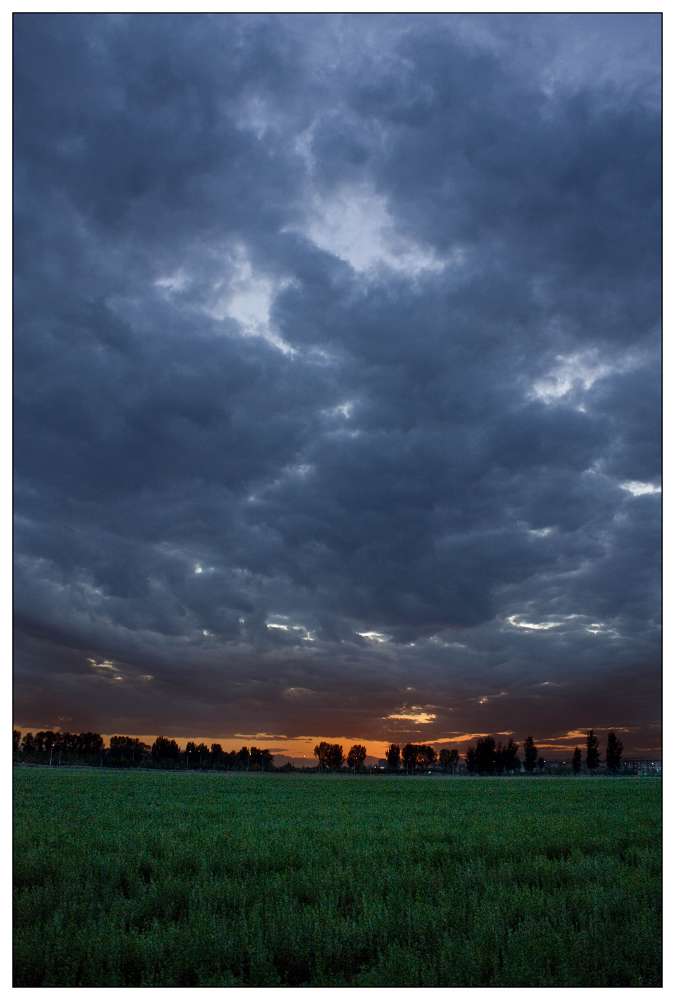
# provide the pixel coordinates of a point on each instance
(337, 372)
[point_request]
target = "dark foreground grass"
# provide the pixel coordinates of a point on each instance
(161, 879)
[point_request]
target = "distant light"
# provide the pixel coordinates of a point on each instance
(198, 569)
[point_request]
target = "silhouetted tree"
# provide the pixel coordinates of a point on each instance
(16, 743)
(486, 755)
(335, 757)
(356, 757)
(217, 756)
(321, 754)
(165, 752)
(244, 759)
(541, 764)
(409, 755)
(330, 756)
(531, 754)
(203, 757)
(592, 752)
(88, 746)
(576, 760)
(27, 746)
(511, 759)
(614, 752)
(417, 756)
(448, 759)
(126, 751)
(393, 757)
(470, 758)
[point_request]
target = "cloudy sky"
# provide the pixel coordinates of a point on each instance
(337, 376)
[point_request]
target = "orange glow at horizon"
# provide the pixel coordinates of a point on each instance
(302, 747)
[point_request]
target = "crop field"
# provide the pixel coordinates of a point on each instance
(169, 879)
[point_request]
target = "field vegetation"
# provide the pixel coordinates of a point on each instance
(163, 878)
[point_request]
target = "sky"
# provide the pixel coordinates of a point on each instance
(337, 385)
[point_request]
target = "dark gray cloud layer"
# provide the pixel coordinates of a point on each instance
(337, 388)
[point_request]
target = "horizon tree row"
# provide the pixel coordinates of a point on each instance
(58, 748)
(487, 757)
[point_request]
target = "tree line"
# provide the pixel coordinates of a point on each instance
(487, 757)
(57, 748)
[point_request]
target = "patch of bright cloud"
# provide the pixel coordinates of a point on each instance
(298, 692)
(172, 283)
(600, 628)
(638, 489)
(355, 224)
(576, 373)
(259, 736)
(413, 713)
(247, 296)
(378, 637)
(461, 737)
(100, 664)
(517, 622)
(486, 698)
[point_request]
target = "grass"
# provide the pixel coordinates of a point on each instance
(165, 879)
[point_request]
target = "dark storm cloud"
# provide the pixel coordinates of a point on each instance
(337, 373)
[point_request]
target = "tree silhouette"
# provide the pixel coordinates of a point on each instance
(409, 755)
(486, 755)
(592, 752)
(190, 753)
(393, 757)
(531, 754)
(470, 757)
(614, 752)
(335, 757)
(321, 754)
(126, 751)
(165, 752)
(576, 760)
(356, 757)
(330, 756)
(511, 759)
(416, 755)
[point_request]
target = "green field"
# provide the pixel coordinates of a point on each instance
(166, 879)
